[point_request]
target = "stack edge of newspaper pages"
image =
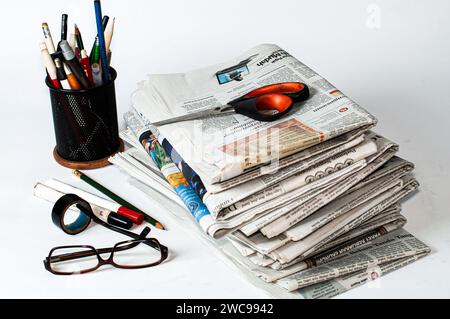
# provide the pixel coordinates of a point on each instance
(307, 206)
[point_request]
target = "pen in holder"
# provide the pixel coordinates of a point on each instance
(85, 124)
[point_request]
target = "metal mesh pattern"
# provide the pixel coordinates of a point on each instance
(85, 122)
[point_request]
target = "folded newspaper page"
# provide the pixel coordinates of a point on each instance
(310, 244)
(389, 214)
(271, 273)
(364, 196)
(287, 216)
(288, 179)
(386, 150)
(222, 147)
(341, 284)
(333, 168)
(326, 149)
(392, 245)
(396, 245)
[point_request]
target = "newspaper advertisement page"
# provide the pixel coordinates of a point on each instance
(333, 146)
(287, 179)
(222, 147)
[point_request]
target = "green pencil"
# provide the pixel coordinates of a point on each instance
(116, 197)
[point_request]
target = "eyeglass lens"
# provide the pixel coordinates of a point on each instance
(58, 263)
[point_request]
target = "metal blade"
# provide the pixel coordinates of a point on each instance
(219, 110)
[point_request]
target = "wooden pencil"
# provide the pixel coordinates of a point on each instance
(116, 197)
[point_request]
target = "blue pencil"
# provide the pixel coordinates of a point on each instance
(101, 41)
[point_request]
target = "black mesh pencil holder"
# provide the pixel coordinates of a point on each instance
(85, 124)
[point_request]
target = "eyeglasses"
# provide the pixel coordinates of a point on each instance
(131, 254)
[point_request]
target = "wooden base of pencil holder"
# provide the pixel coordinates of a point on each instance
(85, 165)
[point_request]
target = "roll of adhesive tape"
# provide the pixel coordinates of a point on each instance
(62, 205)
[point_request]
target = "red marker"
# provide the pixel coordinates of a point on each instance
(86, 64)
(49, 65)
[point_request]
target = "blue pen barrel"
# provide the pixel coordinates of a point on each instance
(85, 122)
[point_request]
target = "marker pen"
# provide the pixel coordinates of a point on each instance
(73, 82)
(62, 77)
(104, 23)
(86, 64)
(49, 65)
(95, 53)
(74, 64)
(112, 218)
(64, 18)
(97, 74)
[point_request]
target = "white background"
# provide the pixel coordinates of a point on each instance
(397, 67)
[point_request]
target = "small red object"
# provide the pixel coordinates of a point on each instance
(136, 217)
(86, 63)
(56, 83)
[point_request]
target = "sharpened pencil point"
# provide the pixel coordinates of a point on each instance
(159, 226)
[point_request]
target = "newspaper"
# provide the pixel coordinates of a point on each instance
(396, 166)
(318, 170)
(281, 219)
(364, 196)
(343, 205)
(325, 149)
(256, 191)
(220, 148)
(311, 244)
(386, 149)
(271, 273)
(390, 214)
(343, 161)
(308, 203)
(367, 197)
(136, 165)
(341, 284)
(133, 164)
(335, 286)
(396, 245)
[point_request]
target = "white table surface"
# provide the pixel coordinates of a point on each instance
(400, 72)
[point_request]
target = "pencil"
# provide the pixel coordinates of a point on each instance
(116, 198)
(109, 35)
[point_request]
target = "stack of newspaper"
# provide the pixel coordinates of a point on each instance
(305, 206)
